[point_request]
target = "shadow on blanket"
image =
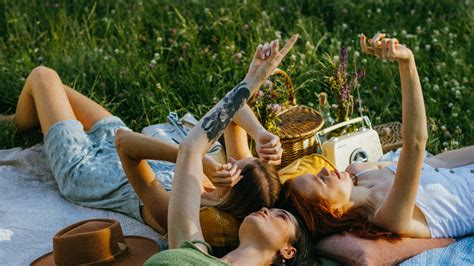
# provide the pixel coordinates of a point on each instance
(32, 210)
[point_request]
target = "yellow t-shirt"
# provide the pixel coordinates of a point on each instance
(309, 164)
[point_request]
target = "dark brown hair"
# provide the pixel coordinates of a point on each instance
(302, 242)
(259, 187)
(321, 222)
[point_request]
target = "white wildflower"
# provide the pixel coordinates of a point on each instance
(278, 34)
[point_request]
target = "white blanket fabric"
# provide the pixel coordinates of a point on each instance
(32, 210)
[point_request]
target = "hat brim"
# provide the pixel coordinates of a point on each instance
(139, 250)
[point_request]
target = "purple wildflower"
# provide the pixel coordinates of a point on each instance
(343, 58)
(345, 92)
(275, 108)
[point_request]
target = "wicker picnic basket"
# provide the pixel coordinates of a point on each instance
(390, 135)
(298, 124)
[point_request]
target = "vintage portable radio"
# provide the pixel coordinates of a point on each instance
(360, 146)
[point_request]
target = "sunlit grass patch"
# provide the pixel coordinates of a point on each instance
(142, 59)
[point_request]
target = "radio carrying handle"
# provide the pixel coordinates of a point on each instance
(325, 131)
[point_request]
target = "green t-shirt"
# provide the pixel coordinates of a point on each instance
(187, 255)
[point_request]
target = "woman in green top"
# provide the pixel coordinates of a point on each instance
(267, 236)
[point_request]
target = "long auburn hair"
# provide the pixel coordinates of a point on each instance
(259, 187)
(321, 222)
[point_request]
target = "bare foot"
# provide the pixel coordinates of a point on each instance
(7, 118)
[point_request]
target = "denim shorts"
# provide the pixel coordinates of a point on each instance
(87, 168)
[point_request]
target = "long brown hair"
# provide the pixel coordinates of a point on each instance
(259, 187)
(321, 222)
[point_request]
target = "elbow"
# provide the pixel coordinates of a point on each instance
(422, 136)
(121, 140)
(417, 141)
(187, 146)
(194, 145)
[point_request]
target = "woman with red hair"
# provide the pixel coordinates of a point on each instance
(415, 197)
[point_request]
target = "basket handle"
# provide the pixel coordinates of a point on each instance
(288, 84)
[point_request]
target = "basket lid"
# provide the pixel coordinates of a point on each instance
(298, 122)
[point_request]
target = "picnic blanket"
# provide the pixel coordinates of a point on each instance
(32, 210)
(460, 252)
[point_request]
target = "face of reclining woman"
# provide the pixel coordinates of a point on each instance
(274, 228)
(332, 186)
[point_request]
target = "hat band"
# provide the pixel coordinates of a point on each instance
(123, 251)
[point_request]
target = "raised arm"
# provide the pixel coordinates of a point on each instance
(268, 145)
(183, 215)
(396, 212)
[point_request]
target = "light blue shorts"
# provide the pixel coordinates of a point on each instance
(88, 170)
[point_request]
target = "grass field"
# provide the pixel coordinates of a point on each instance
(142, 59)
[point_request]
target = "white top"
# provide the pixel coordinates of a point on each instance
(446, 198)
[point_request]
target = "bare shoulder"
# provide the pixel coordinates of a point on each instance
(357, 168)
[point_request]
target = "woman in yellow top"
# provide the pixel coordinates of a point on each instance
(267, 236)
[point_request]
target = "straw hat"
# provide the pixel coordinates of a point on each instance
(97, 241)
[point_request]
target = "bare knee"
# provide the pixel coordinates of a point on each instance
(42, 74)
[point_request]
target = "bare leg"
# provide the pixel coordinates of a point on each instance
(453, 159)
(87, 111)
(44, 101)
